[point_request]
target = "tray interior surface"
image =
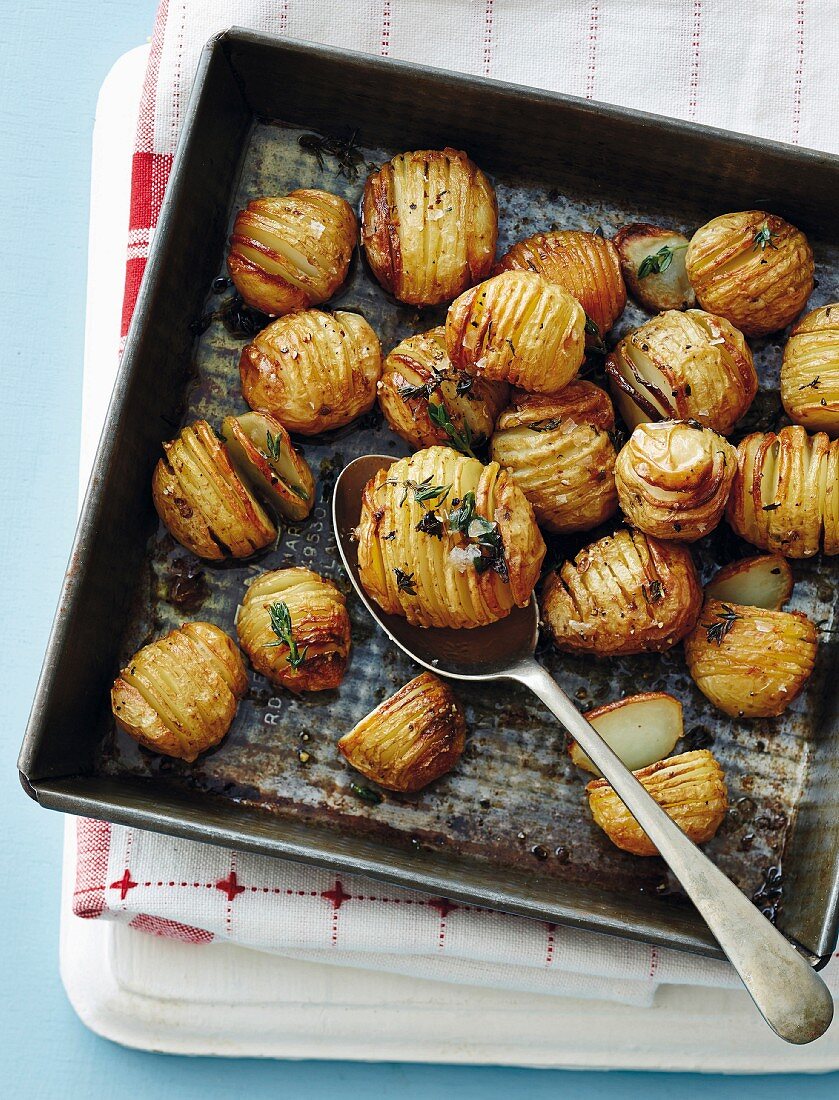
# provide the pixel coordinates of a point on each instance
(510, 825)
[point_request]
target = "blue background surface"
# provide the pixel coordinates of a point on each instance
(53, 58)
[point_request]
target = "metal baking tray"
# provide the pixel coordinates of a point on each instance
(509, 828)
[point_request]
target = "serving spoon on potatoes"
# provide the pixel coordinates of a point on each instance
(789, 994)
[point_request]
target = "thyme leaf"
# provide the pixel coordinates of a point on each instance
(366, 794)
(423, 491)
(274, 445)
(762, 238)
(460, 518)
(431, 524)
(281, 625)
(658, 262)
(655, 591)
(460, 440)
(405, 581)
(726, 619)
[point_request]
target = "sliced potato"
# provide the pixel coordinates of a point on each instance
(764, 580)
(641, 730)
(263, 455)
(653, 266)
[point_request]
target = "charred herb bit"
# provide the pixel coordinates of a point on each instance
(405, 581)
(392, 535)
(344, 149)
(545, 425)
(423, 491)
(511, 345)
(366, 794)
(655, 591)
(240, 319)
(691, 423)
(460, 518)
(281, 625)
(431, 524)
(464, 384)
(725, 621)
(771, 507)
(460, 440)
(814, 385)
(425, 389)
(186, 586)
(598, 232)
(762, 238)
(221, 283)
(658, 262)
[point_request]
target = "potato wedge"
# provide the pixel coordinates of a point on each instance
(653, 266)
(641, 729)
(764, 580)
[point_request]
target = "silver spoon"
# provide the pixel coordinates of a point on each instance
(791, 997)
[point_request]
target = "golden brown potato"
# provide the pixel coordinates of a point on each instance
(429, 224)
(625, 593)
(410, 739)
(683, 366)
(753, 268)
(428, 402)
(178, 695)
(690, 788)
(584, 264)
(653, 266)
(314, 371)
(294, 627)
(446, 541)
(639, 729)
(673, 479)
(292, 251)
(203, 501)
(761, 581)
(265, 458)
(749, 661)
(517, 328)
(810, 371)
(785, 495)
(559, 452)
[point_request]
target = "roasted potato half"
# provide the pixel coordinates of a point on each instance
(749, 661)
(625, 593)
(178, 695)
(203, 502)
(753, 268)
(690, 788)
(785, 495)
(292, 251)
(312, 370)
(810, 371)
(673, 479)
(264, 456)
(584, 264)
(653, 264)
(446, 541)
(559, 451)
(294, 627)
(410, 739)
(429, 224)
(762, 581)
(683, 366)
(640, 729)
(519, 328)
(429, 403)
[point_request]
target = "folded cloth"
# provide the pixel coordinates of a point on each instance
(765, 69)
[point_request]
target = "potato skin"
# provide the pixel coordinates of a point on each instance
(683, 366)
(584, 264)
(293, 251)
(314, 371)
(431, 578)
(178, 695)
(419, 361)
(626, 593)
(410, 739)
(429, 225)
(785, 494)
(668, 289)
(810, 371)
(202, 500)
(559, 452)
(757, 667)
(320, 625)
(691, 789)
(519, 328)
(673, 479)
(759, 287)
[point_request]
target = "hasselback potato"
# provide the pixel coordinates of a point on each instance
(428, 402)
(749, 661)
(446, 541)
(294, 627)
(753, 268)
(410, 739)
(178, 695)
(559, 451)
(683, 366)
(519, 328)
(203, 502)
(292, 251)
(810, 371)
(673, 479)
(313, 370)
(429, 224)
(263, 454)
(785, 494)
(690, 788)
(625, 593)
(653, 265)
(584, 264)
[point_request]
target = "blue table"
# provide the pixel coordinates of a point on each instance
(53, 58)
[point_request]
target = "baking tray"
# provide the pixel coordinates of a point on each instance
(509, 828)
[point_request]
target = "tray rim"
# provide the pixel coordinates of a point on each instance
(46, 790)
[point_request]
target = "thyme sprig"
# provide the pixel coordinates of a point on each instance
(658, 262)
(814, 385)
(405, 581)
(762, 238)
(273, 445)
(460, 440)
(280, 617)
(423, 490)
(344, 149)
(726, 619)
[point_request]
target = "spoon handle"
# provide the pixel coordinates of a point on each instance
(790, 995)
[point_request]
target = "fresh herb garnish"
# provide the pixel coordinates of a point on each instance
(486, 535)
(461, 517)
(366, 794)
(423, 491)
(762, 238)
(274, 445)
(460, 440)
(725, 621)
(281, 625)
(431, 524)
(658, 262)
(405, 581)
